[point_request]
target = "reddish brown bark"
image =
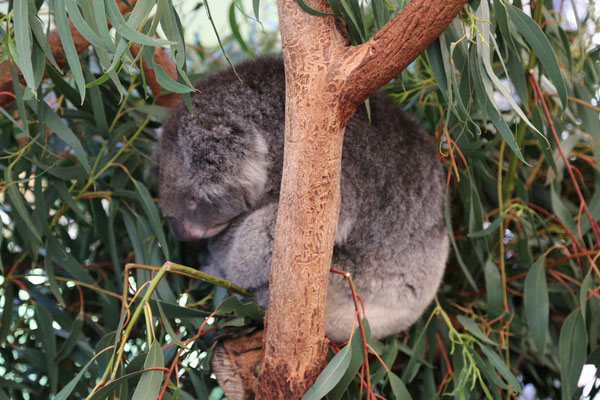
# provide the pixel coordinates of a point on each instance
(235, 363)
(161, 57)
(326, 79)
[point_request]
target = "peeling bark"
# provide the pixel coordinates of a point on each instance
(326, 80)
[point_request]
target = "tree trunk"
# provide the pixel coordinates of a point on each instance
(326, 79)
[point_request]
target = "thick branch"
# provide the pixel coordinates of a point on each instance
(295, 345)
(395, 46)
(325, 81)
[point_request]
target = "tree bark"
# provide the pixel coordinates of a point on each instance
(326, 79)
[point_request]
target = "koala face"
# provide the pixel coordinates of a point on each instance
(210, 171)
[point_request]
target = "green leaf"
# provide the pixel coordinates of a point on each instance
(171, 25)
(379, 13)
(536, 304)
(105, 391)
(256, 8)
(71, 341)
(100, 20)
(57, 126)
(583, 293)
(82, 26)
(64, 32)
(23, 41)
(356, 361)
(49, 268)
(124, 29)
(67, 261)
(490, 229)
(415, 361)
(161, 76)
(572, 345)
(67, 198)
(331, 375)
(398, 387)
(561, 210)
(46, 336)
(493, 284)
(235, 30)
(7, 311)
(472, 327)
(19, 100)
(18, 203)
(149, 385)
(39, 35)
(502, 368)
(438, 66)
(450, 231)
(66, 391)
(540, 45)
(168, 327)
(153, 217)
(38, 62)
(310, 10)
(483, 50)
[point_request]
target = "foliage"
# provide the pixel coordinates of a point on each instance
(512, 102)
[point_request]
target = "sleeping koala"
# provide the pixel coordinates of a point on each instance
(219, 177)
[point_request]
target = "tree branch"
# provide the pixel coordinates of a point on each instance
(326, 80)
(395, 46)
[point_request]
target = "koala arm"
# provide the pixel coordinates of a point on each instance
(242, 254)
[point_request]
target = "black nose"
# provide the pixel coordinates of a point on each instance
(175, 227)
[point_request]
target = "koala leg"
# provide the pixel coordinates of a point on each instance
(394, 294)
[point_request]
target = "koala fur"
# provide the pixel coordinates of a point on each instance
(219, 178)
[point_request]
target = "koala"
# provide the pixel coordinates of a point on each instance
(219, 180)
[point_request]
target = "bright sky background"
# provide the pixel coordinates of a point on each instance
(197, 25)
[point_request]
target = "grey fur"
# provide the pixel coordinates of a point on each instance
(223, 166)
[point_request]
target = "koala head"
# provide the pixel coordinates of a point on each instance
(210, 170)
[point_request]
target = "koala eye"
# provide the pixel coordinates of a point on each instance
(191, 204)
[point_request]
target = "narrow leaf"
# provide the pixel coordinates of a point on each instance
(331, 375)
(540, 45)
(64, 32)
(149, 385)
(56, 124)
(7, 311)
(310, 10)
(123, 28)
(23, 41)
(537, 304)
(491, 228)
(472, 327)
(66, 391)
(256, 8)
(398, 387)
(572, 346)
(153, 217)
(502, 368)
